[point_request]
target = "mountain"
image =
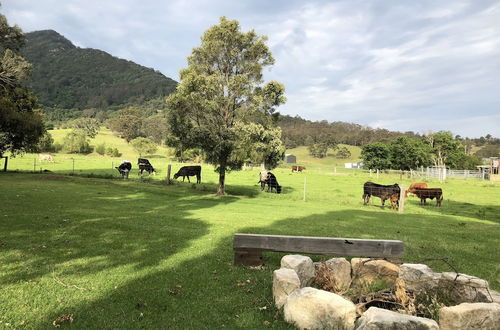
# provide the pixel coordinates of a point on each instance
(68, 77)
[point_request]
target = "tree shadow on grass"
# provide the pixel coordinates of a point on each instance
(206, 291)
(463, 209)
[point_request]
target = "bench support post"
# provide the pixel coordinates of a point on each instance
(247, 257)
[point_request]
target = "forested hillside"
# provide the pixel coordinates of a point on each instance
(296, 132)
(68, 77)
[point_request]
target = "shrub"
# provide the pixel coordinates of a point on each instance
(144, 146)
(113, 152)
(343, 153)
(101, 149)
(76, 142)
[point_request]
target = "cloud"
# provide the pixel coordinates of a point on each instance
(401, 65)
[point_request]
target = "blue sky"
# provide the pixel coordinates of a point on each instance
(401, 65)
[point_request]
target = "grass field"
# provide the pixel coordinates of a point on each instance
(118, 254)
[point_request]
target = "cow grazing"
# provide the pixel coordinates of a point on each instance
(384, 192)
(187, 171)
(263, 179)
(424, 193)
(271, 181)
(46, 157)
(296, 168)
(145, 165)
(124, 168)
(414, 186)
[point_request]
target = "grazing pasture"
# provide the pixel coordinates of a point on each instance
(114, 253)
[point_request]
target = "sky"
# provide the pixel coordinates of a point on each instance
(402, 65)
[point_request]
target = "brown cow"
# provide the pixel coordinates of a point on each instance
(424, 193)
(413, 186)
(296, 168)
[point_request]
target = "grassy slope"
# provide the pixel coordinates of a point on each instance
(303, 156)
(128, 254)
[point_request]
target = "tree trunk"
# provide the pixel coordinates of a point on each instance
(222, 179)
(221, 189)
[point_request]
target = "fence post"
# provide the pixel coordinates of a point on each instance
(377, 173)
(34, 165)
(169, 168)
(370, 172)
(401, 207)
(305, 183)
(401, 175)
(5, 164)
(73, 165)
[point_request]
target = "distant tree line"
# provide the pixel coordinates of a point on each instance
(301, 132)
(439, 149)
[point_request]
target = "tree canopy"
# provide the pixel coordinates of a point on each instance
(21, 126)
(221, 91)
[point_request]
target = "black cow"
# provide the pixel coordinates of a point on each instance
(145, 165)
(270, 180)
(187, 171)
(124, 168)
(424, 193)
(382, 191)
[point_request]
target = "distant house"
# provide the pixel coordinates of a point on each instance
(290, 159)
(353, 165)
(492, 169)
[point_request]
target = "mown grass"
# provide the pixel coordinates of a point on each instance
(142, 254)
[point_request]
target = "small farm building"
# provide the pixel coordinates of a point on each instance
(290, 159)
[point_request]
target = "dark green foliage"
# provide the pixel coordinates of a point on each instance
(376, 156)
(75, 142)
(343, 153)
(89, 126)
(155, 128)
(46, 144)
(407, 153)
(318, 150)
(21, 126)
(69, 77)
(127, 123)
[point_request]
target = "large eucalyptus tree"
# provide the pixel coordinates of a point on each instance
(221, 105)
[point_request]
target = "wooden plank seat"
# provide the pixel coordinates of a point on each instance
(248, 248)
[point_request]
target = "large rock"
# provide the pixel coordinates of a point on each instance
(366, 271)
(464, 288)
(285, 281)
(302, 265)
(418, 277)
(340, 268)
(380, 319)
(483, 316)
(310, 308)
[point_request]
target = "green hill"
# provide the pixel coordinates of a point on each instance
(68, 77)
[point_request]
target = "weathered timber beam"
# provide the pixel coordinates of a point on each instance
(353, 247)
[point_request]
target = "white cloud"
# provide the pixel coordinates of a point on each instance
(407, 65)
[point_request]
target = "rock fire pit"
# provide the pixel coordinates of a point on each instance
(377, 294)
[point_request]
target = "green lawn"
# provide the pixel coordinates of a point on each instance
(141, 254)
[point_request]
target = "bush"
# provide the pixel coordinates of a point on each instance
(144, 146)
(75, 142)
(318, 150)
(101, 149)
(343, 153)
(113, 152)
(46, 143)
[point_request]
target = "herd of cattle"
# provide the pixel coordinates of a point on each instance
(393, 192)
(384, 192)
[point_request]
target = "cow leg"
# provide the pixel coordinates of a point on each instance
(188, 179)
(198, 178)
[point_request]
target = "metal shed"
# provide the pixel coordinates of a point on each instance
(290, 159)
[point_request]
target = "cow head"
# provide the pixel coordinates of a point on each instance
(176, 175)
(278, 189)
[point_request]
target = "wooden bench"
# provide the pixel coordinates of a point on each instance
(248, 248)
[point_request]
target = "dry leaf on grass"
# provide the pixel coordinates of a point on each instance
(63, 319)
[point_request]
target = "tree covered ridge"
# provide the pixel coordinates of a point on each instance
(68, 77)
